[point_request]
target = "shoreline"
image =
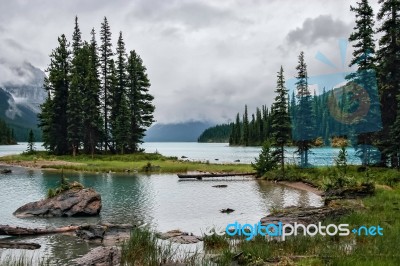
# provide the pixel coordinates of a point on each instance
(302, 186)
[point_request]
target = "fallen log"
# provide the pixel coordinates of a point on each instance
(200, 176)
(22, 231)
(18, 245)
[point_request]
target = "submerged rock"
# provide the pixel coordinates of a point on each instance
(180, 237)
(5, 171)
(227, 210)
(101, 256)
(220, 186)
(73, 202)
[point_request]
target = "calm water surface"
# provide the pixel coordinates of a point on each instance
(162, 201)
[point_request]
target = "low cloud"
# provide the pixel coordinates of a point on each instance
(313, 30)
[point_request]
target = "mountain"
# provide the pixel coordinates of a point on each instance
(21, 94)
(178, 132)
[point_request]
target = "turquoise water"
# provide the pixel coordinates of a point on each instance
(162, 201)
(223, 153)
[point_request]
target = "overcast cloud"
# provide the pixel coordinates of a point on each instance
(205, 59)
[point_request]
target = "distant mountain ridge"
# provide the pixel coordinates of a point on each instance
(176, 132)
(20, 100)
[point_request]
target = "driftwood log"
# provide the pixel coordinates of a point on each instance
(200, 176)
(22, 231)
(18, 245)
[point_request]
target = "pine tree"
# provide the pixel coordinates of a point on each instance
(119, 112)
(305, 119)
(31, 143)
(105, 59)
(245, 137)
(363, 57)
(139, 100)
(92, 119)
(280, 125)
(53, 118)
(388, 59)
(76, 89)
(265, 161)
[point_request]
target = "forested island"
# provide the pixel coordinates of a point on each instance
(98, 99)
(7, 136)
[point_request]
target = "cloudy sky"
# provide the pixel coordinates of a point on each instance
(206, 59)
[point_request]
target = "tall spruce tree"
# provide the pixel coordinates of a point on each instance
(280, 124)
(53, 118)
(105, 61)
(139, 99)
(388, 60)
(305, 120)
(92, 119)
(76, 89)
(119, 114)
(246, 128)
(363, 57)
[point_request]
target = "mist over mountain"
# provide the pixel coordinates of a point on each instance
(177, 132)
(21, 93)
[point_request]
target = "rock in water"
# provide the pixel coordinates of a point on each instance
(101, 256)
(73, 202)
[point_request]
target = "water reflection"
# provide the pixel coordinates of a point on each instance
(159, 200)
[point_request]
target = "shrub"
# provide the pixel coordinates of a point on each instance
(265, 161)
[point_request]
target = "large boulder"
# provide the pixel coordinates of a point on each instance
(73, 202)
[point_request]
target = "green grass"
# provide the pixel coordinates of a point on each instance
(121, 163)
(383, 209)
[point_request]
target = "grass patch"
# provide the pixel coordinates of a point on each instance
(382, 209)
(138, 162)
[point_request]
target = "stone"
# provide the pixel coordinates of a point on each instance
(180, 237)
(73, 202)
(101, 256)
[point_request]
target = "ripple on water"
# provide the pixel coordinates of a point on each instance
(162, 201)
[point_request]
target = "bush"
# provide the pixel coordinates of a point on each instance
(265, 161)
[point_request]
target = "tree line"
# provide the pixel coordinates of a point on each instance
(371, 120)
(98, 98)
(7, 136)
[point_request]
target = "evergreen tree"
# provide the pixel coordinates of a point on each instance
(92, 119)
(280, 126)
(53, 118)
(265, 161)
(388, 59)
(245, 139)
(140, 105)
(31, 143)
(105, 61)
(305, 119)
(119, 112)
(76, 89)
(363, 58)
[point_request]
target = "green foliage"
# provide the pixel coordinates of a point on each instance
(341, 160)
(31, 143)
(338, 181)
(143, 248)
(219, 134)
(6, 134)
(94, 101)
(215, 242)
(63, 185)
(265, 161)
(280, 125)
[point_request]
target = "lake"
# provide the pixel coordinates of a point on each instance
(162, 200)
